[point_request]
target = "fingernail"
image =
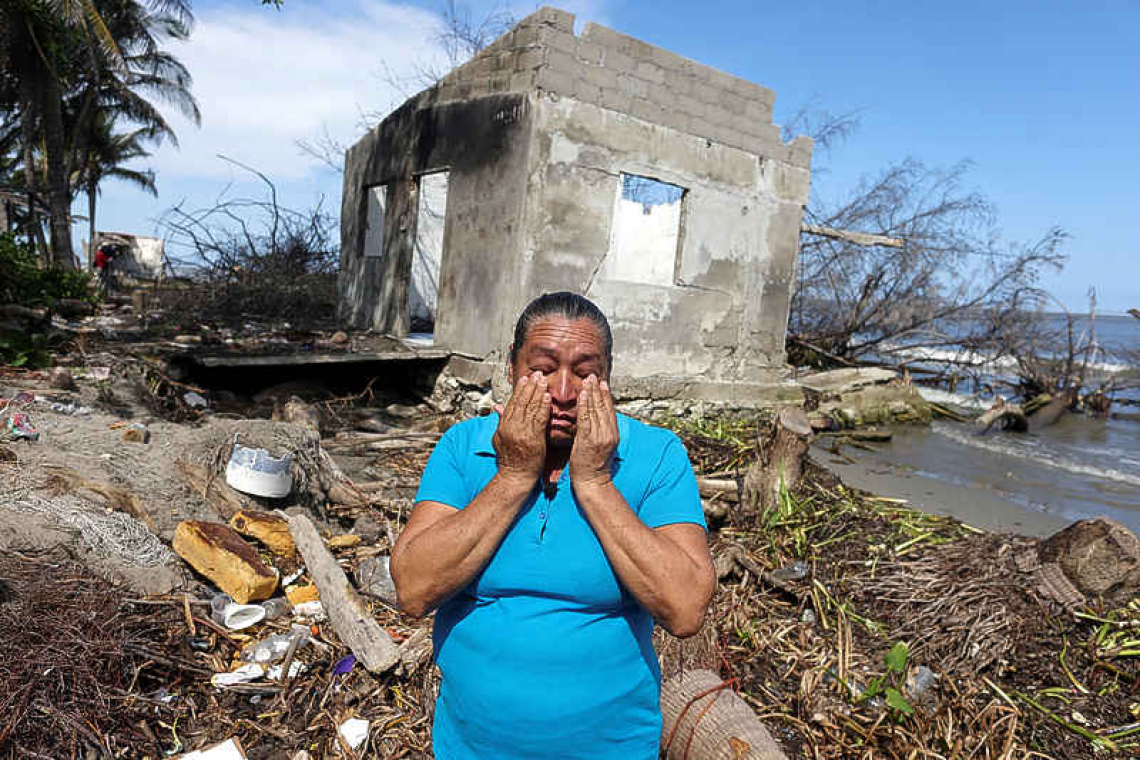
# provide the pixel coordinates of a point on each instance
(605, 385)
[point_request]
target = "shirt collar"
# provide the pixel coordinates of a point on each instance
(485, 448)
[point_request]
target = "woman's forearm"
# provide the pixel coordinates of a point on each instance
(674, 582)
(435, 558)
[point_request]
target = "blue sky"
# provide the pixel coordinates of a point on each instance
(1043, 97)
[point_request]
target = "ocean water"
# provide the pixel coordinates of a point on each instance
(1078, 468)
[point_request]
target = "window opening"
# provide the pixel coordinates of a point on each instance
(646, 231)
(423, 298)
(374, 222)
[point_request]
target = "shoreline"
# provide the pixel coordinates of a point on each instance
(974, 504)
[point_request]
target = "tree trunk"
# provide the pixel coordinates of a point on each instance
(779, 460)
(28, 122)
(92, 189)
(58, 184)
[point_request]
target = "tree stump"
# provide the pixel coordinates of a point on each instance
(1100, 557)
(780, 459)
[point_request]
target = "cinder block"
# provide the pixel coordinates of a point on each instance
(565, 62)
(638, 50)
(554, 17)
(602, 77)
(553, 80)
(590, 52)
(732, 102)
(558, 40)
(586, 91)
(602, 35)
(802, 148)
(501, 81)
(645, 110)
(650, 72)
(616, 100)
(692, 107)
(668, 60)
(525, 36)
(530, 58)
(662, 94)
(522, 81)
(618, 61)
(674, 119)
(758, 111)
(637, 88)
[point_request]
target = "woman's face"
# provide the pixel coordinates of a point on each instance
(566, 352)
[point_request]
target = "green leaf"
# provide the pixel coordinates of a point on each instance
(896, 658)
(873, 689)
(896, 700)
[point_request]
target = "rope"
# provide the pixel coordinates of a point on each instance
(733, 682)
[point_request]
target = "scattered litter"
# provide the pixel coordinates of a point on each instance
(292, 576)
(345, 665)
(195, 400)
(69, 408)
(374, 577)
(254, 671)
(276, 608)
(313, 611)
(20, 427)
(345, 541)
(255, 471)
(235, 616)
(136, 432)
(354, 731)
(298, 595)
(275, 647)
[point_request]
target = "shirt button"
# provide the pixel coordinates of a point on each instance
(541, 515)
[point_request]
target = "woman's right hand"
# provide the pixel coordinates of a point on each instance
(520, 440)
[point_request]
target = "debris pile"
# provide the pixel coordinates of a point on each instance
(222, 588)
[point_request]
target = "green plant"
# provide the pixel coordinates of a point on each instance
(22, 281)
(888, 683)
(19, 349)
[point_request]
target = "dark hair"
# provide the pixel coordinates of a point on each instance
(568, 306)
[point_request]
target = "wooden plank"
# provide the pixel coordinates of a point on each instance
(852, 236)
(349, 616)
(283, 360)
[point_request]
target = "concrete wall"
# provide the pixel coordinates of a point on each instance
(723, 316)
(482, 143)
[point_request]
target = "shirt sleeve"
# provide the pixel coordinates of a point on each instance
(673, 496)
(443, 480)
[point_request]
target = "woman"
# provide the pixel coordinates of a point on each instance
(548, 538)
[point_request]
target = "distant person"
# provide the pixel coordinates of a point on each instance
(548, 537)
(105, 257)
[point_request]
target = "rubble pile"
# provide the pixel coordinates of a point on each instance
(220, 586)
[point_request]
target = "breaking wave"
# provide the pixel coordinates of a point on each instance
(1028, 448)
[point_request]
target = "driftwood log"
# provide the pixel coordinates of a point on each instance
(348, 615)
(780, 459)
(703, 719)
(1010, 416)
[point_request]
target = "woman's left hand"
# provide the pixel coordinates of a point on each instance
(597, 436)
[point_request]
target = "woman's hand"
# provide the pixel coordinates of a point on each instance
(520, 440)
(597, 437)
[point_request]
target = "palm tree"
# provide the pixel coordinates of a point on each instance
(60, 50)
(107, 154)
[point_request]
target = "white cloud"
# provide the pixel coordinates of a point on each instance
(265, 79)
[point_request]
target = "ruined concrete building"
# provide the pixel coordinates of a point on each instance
(594, 163)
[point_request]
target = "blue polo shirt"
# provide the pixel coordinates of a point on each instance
(545, 654)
